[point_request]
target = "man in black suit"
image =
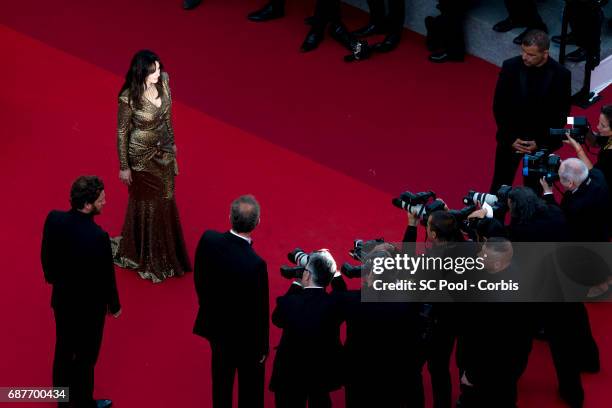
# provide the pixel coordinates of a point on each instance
(521, 13)
(77, 260)
(533, 94)
(231, 282)
(495, 337)
(307, 364)
(383, 351)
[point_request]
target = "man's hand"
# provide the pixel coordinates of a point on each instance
(413, 220)
(482, 213)
(465, 381)
(524, 146)
(547, 189)
(116, 315)
(572, 142)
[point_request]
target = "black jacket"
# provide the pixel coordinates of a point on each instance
(231, 282)
(587, 210)
(526, 108)
(77, 260)
(308, 357)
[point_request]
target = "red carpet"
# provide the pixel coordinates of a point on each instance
(321, 143)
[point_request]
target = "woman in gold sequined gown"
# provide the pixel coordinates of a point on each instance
(151, 241)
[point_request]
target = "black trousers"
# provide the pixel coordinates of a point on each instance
(78, 339)
(506, 164)
(298, 399)
(401, 387)
(226, 361)
(393, 18)
(525, 13)
(502, 394)
(585, 20)
(568, 332)
(438, 350)
(449, 25)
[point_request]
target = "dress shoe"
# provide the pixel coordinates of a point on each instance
(191, 4)
(505, 25)
(443, 56)
(267, 13)
(313, 39)
(338, 32)
(104, 403)
(369, 30)
(570, 39)
(577, 55)
(390, 42)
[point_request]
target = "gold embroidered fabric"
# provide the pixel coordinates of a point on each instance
(152, 239)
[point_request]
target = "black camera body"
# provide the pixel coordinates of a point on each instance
(363, 251)
(541, 164)
(300, 259)
(579, 129)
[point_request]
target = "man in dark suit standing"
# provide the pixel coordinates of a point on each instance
(231, 282)
(307, 364)
(533, 94)
(77, 260)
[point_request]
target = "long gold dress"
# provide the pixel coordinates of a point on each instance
(152, 239)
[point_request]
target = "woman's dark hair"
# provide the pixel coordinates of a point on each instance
(526, 205)
(490, 228)
(446, 227)
(85, 190)
(606, 110)
(142, 65)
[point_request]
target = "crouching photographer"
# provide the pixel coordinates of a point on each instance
(307, 365)
(383, 347)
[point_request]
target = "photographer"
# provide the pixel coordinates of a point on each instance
(495, 339)
(604, 158)
(443, 232)
(585, 203)
(307, 363)
(383, 345)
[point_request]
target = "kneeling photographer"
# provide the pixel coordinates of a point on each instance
(383, 340)
(307, 365)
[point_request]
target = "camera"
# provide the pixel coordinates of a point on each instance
(541, 164)
(499, 201)
(579, 129)
(364, 252)
(300, 259)
(420, 204)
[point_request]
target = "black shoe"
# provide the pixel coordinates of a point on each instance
(443, 56)
(370, 29)
(505, 25)
(578, 55)
(191, 4)
(313, 39)
(570, 39)
(267, 13)
(103, 403)
(390, 42)
(338, 32)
